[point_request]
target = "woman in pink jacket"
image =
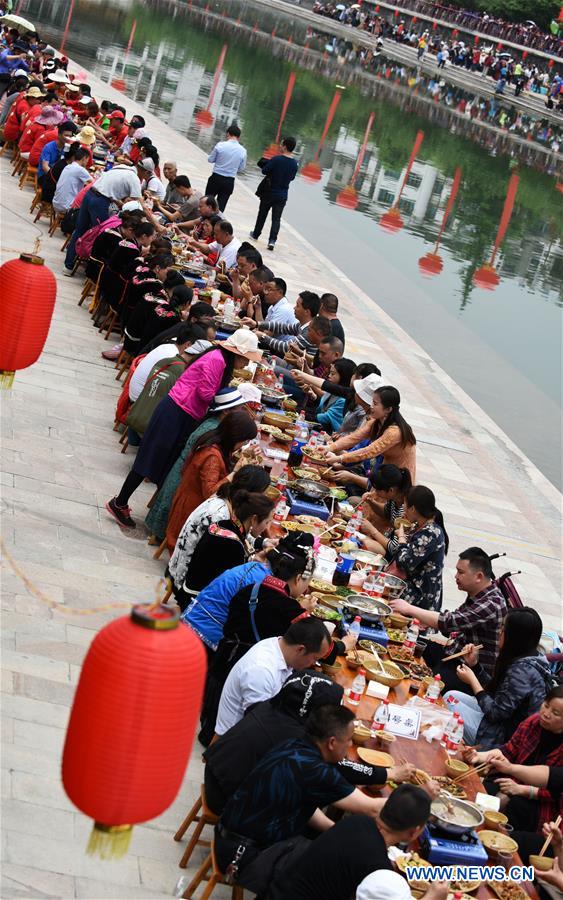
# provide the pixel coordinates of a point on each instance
(180, 412)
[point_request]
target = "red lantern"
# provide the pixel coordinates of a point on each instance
(550, 64)
(347, 197)
(132, 723)
(413, 20)
(119, 84)
(28, 290)
(434, 26)
(524, 54)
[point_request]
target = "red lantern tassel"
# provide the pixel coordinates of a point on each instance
(109, 841)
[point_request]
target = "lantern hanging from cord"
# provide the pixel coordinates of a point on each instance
(28, 291)
(132, 723)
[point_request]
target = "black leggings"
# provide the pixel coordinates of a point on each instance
(128, 487)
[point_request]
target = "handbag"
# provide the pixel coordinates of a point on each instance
(264, 188)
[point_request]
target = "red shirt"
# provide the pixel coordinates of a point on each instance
(117, 136)
(30, 134)
(90, 156)
(40, 142)
(13, 126)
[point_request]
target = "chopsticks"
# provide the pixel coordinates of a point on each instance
(549, 838)
(326, 531)
(461, 653)
(475, 771)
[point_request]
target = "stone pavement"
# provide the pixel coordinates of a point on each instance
(61, 461)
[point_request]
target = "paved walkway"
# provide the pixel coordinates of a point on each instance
(61, 461)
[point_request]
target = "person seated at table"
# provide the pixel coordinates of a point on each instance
(120, 268)
(151, 184)
(206, 208)
(389, 488)
(253, 291)
(266, 608)
(329, 412)
(280, 337)
(211, 460)
(159, 317)
(517, 688)
(225, 543)
(536, 741)
(231, 758)
(419, 559)
(72, 179)
(262, 824)
(50, 181)
(188, 206)
(477, 621)
(357, 395)
(225, 244)
(248, 260)
(145, 291)
(200, 313)
(156, 382)
(387, 432)
(336, 862)
(279, 309)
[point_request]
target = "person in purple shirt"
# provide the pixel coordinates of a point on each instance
(279, 172)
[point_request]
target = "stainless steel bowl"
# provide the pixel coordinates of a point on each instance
(393, 587)
(370, 608)
(453, 827)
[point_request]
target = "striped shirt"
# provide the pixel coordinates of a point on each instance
(294, 335)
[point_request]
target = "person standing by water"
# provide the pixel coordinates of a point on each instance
(279, 172)
(229, 159)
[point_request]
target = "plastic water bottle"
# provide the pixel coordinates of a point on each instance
(358, 688)
(380, 718)
(110, 159)
(411, 636)
(354, 627)
(433, 689)
(299, 441)
(281, 511)
(228, 308)
(451, 725)
(456, 737)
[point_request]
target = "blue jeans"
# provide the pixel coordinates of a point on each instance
(470, 712)
(93, 210)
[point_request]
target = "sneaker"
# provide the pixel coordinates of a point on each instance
(254, 236)
(68, 272)
(121, 513)
(112, 354)
(271, 246)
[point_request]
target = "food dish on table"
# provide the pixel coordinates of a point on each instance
(507, 890)
(372, 645)
(455, 789)
(391, 675)
(304, 472)
(494, 840)
(329, 615)
(325, 587)
(376, 757)
(395, 635)
(466, 887)
(309, 520)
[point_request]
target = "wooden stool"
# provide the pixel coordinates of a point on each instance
(45, 209)
(202, 816)
(29, 176)
(36, 199)
(213, 880)
(9, 145)
(66, 242)
(158, 553)
(89, 288)
(56, 220)
(19, 164)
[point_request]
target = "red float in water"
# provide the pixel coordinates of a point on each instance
(486, 277)
(391, 220)
(132, 723)
(119, 84)
(28, 291)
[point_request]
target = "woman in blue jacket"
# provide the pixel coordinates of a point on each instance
(331, 409)
(517, 688)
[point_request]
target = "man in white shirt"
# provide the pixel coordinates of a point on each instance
(228, 158)
(225, 244)
(151, 182)
(261, 672)
(163, 351)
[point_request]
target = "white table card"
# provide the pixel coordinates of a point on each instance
(404, 721)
